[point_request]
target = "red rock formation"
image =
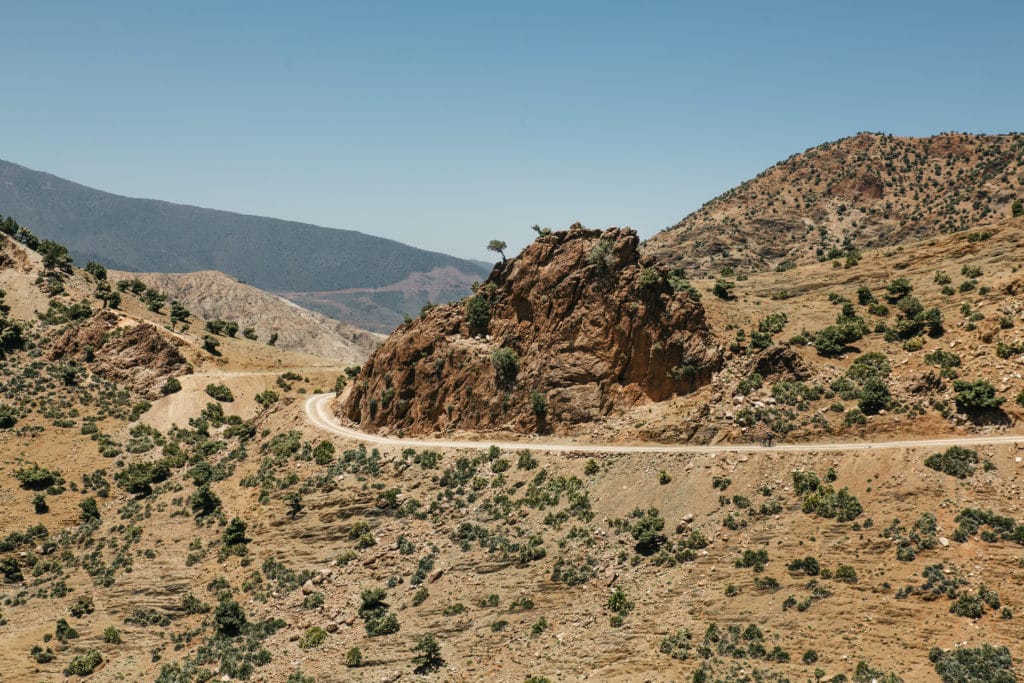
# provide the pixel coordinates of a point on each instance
(593, 330)
(138, 357)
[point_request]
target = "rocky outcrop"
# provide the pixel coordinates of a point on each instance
(136, 356)
(780, 363)
(578, 328)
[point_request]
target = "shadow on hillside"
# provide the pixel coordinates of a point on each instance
(990, 417)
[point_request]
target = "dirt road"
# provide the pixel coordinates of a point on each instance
(319, 414)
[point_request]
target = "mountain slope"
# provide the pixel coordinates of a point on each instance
(867, 190)
(213, 295)
(152, 235)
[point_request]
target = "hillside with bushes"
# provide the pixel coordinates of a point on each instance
(173, 514)
(829, 202)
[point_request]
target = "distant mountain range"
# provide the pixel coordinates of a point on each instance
(272, 254)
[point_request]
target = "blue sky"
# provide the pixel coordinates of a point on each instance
(447, 124)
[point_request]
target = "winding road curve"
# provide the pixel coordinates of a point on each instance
(319, 414)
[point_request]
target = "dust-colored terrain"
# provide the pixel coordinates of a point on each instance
(214, 295)
(867, 190)
(189, 521)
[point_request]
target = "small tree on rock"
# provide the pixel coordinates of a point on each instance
(506, 368)
(498, 247)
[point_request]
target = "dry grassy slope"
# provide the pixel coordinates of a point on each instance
(876, 189)
(861, 621)
(212, 294)
(713, 409)
(711, 414)
(246, 367)
(886, 632)
(20, 267)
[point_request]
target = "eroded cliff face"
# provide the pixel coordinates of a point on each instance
(578, 328)
(137, 356)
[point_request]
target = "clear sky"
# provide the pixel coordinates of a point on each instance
(447, 124)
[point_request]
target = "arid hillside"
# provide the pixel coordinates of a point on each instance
(173, 516)
(213, 295)
(863, 191)
(924, 336)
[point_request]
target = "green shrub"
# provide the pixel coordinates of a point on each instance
(234, 533)
(36, 478)
(313, 601)
(219, 392)
(874, 396)
(313, 637)
(538, 404)
(171, 386)
(64, 631)
(955, 461)
(138, 477)
(618, 603)
(428, 657)
(646, 531)
(977, 395)
(229, 618)
(753, 559)
(846, 574)
(723, 289)
(829, 503)
(478, 314)
(84, 664)
(506, 368)
(809, 566)
(353, 658)
(90, 510)
(878, 309)
(374, 612)
(678, 645)
(267, 397)
(805, 482)
(868, 365)
(854, 417)
(8, 415)
(898, 289)
(454, 609)
(970, 665)
(526, 460)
